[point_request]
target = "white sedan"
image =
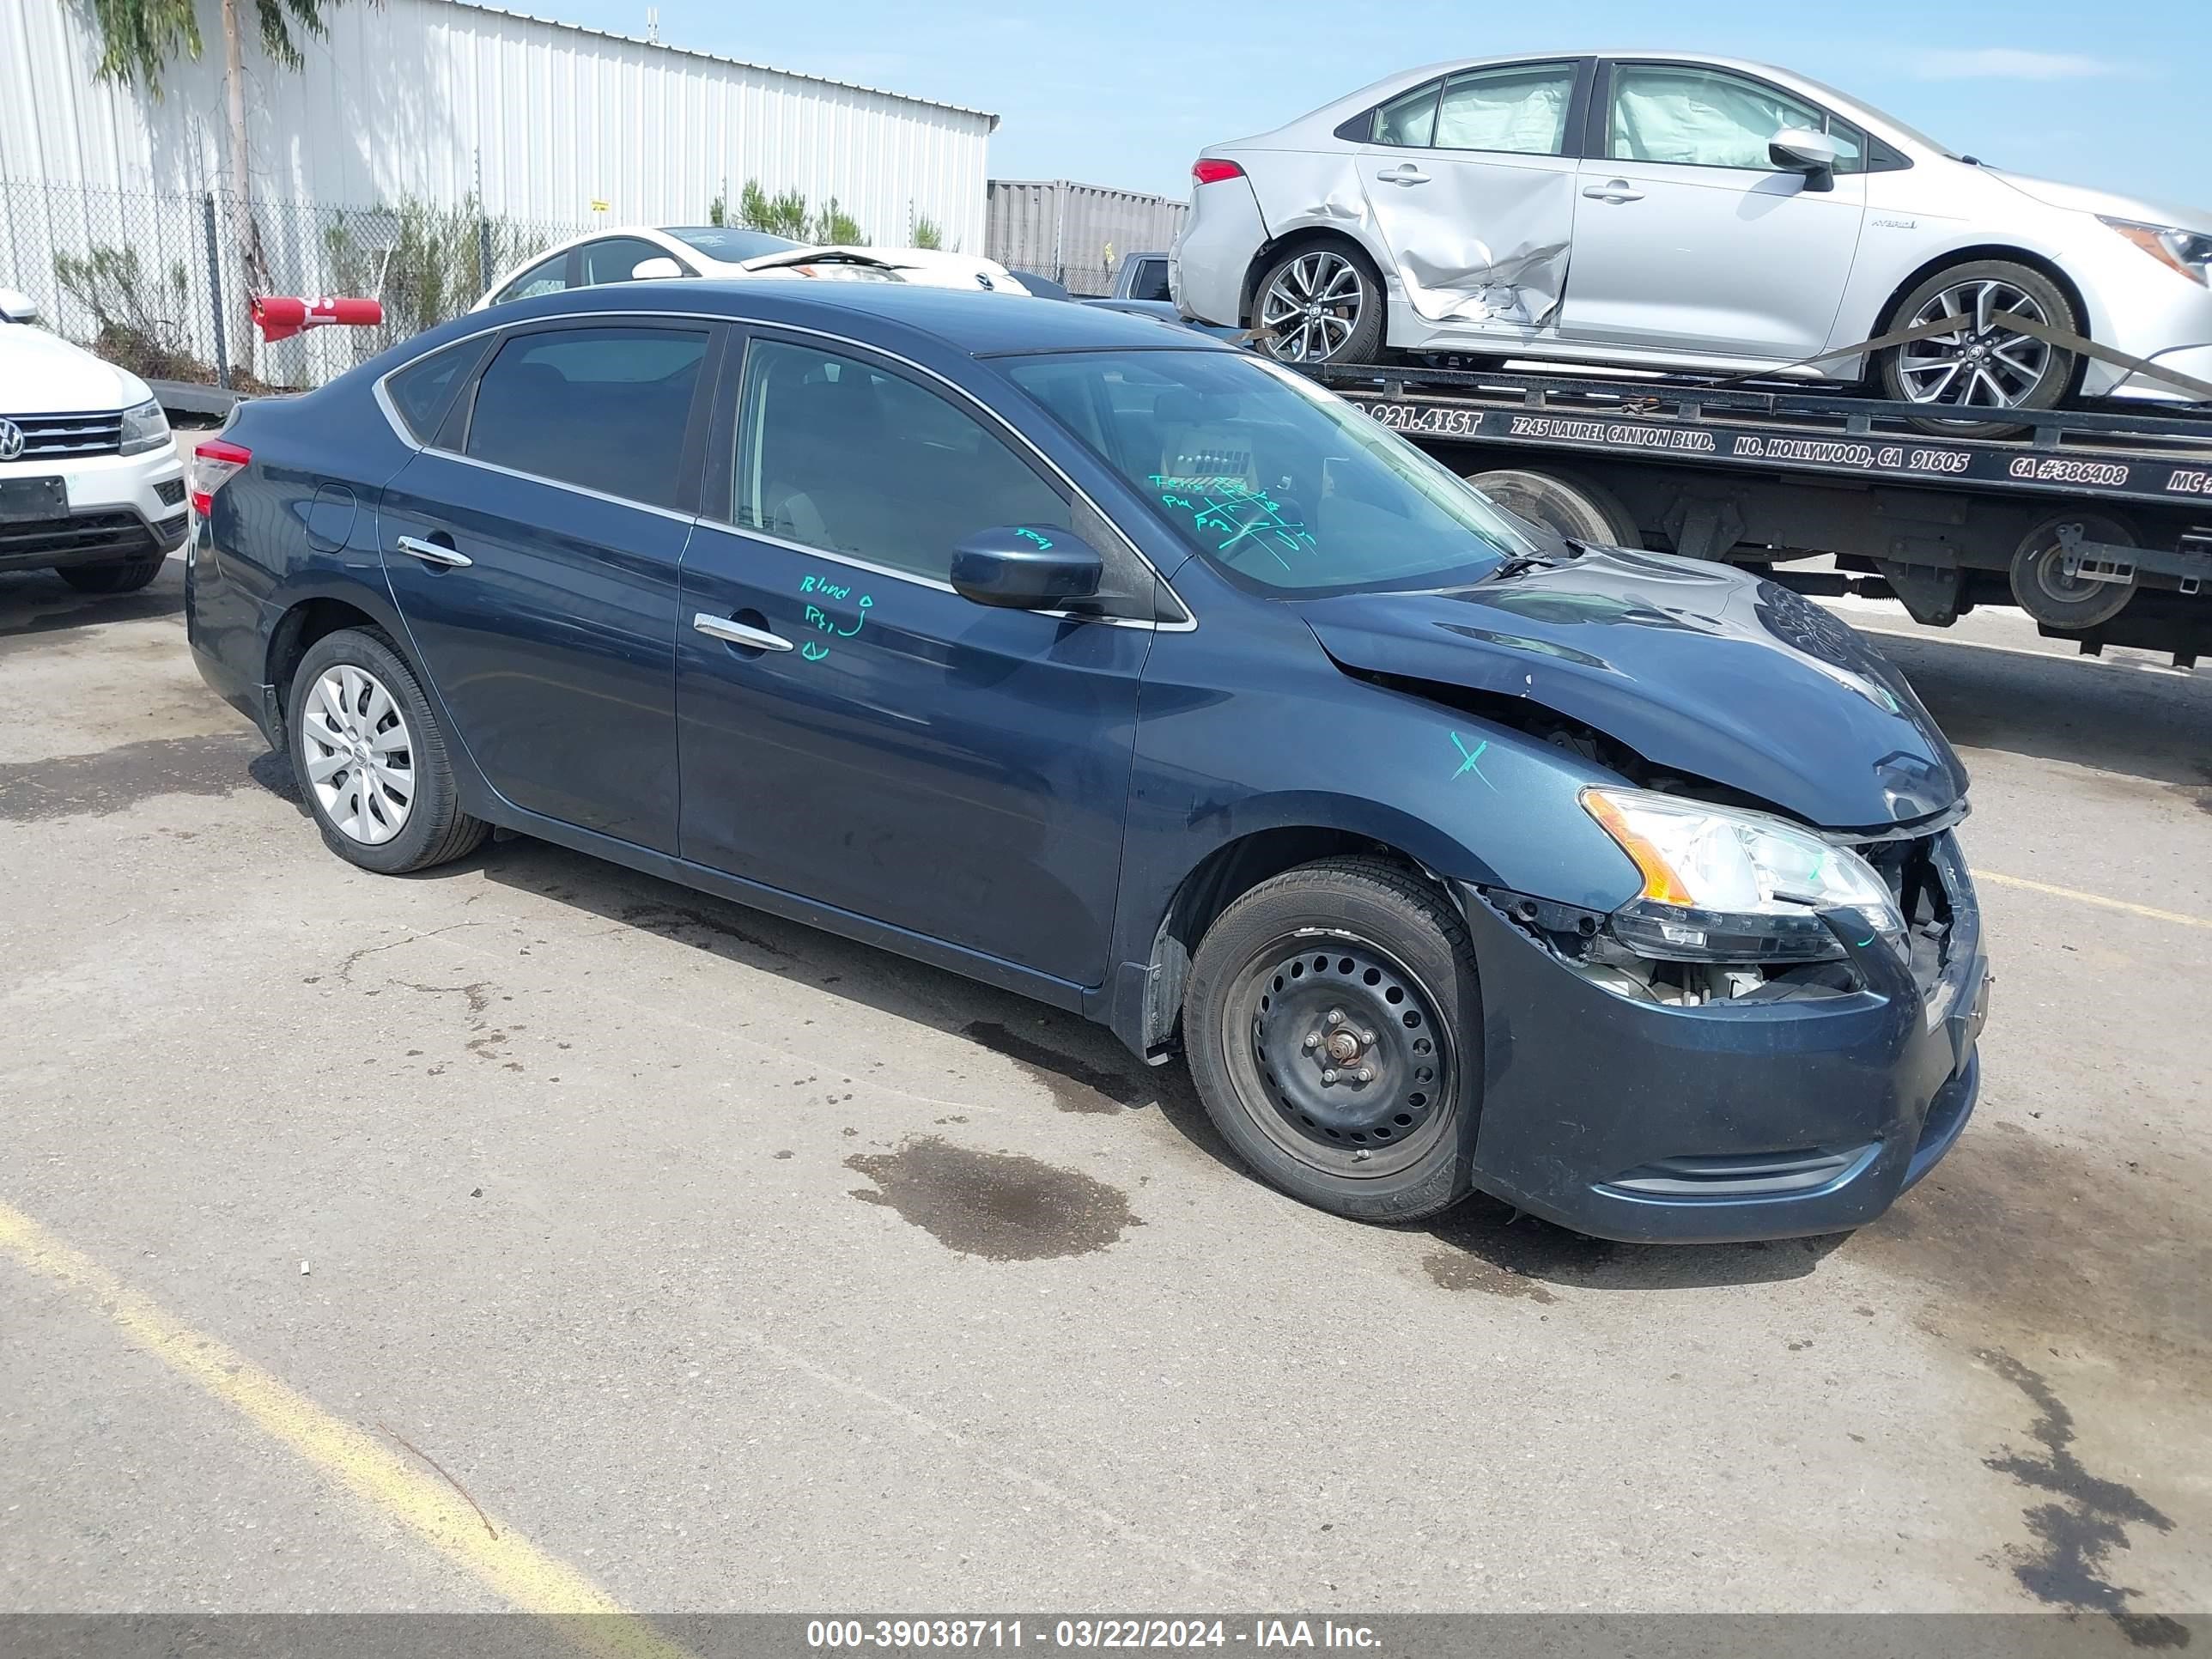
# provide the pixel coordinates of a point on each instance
(90, 484)
(641, 253)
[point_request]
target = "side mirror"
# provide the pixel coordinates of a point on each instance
(653, 270)
(1801, 150)
(18, 307)
(1025, 569)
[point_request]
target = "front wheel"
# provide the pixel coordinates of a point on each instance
(1333, 1028)
(112, 575)
(1985, 367)
(1320, 304)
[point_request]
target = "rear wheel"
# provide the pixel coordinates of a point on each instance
(1986, 366)
(1320, 303)
(2041, 586)
(1577, 507)
(111, 575)
(370, 756)
(1334, 1032)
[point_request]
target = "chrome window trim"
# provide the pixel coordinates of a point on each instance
(1187, 623)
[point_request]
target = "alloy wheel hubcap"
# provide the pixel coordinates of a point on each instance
(1312, 307)
(360, 754)
(1984, 364)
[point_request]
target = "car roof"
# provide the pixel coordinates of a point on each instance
(888, 314)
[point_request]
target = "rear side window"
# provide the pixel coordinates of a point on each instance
(603, 408)
(1150, 280)
(421, 392)
(1520, 110)
(546, 276)
(839, 454)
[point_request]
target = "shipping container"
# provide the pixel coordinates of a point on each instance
(1076, 233)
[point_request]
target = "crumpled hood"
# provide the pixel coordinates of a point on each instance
(1700, 669)
(42, 373)
(2083, 199)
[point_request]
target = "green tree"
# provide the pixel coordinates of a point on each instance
(834, 227)
(927, 235)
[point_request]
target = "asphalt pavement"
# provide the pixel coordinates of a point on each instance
(721, 1264)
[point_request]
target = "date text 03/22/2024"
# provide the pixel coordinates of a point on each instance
(852, 1634)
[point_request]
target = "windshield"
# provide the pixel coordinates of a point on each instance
(732, 246)
(1281, 486)
(1859, 108)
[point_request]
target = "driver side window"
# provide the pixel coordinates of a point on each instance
(1695, 117)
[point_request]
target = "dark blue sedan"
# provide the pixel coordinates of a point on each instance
(1134, 672)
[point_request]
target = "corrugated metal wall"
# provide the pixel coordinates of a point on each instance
(1076, 233)
(425, 98)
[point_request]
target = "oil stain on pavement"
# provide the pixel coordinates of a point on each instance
(2075, 1535)
(1077, 1085)
(77, 786)
(1002, 1207)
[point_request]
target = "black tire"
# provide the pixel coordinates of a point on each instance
(434, 828)
(2061, 369)
(111, 575)
(1357, 950)
(1579, 508)
(1361, 344)
(2041, 586)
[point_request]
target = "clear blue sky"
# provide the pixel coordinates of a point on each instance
(2108, 93)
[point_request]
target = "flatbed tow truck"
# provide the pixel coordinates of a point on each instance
(2097, 522)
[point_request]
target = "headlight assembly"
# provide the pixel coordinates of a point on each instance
(1736, 887)
(144, 428)
(2188, 251)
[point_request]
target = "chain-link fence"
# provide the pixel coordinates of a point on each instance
(161, 284)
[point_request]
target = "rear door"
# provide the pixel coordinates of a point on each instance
(533, 552)
(886, 746)
(1688, 236)
(1472, 181)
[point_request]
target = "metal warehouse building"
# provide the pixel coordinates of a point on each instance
(424, 145)
(412, 98)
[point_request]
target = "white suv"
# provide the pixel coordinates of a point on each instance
(90, 484)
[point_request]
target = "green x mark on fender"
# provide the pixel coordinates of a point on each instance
(1468, 758)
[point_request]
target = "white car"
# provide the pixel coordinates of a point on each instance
(90, 484)
(1672, 212)
(636, 253)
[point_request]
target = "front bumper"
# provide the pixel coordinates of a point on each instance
(1652, 1123)
(119, 507)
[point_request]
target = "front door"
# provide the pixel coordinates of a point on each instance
(1687, 236)
(1471, 184)
(871, 740)
(536, 565)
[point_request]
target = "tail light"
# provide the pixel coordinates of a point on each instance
(213, 463)
(1212, 170)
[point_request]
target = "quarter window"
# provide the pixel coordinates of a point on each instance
(1409, 121)
(1696, 116)
(839, 454)
(546, 276)
(420, 392)
(1520, 110)
(604, 408)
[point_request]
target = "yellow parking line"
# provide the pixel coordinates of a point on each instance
(2081, 898)
(502, 1558)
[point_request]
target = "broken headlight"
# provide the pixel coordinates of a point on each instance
(1737, 887)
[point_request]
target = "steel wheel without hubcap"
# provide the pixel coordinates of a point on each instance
(360, 754)
(1986, 365)
(1312, 307)
(1344, 1060)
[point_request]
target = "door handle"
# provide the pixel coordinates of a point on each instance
(1616, 192)
(431, 553)
(1404, 173)
(753, 638)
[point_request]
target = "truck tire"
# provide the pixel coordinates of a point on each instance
(1333, 1028)
(111, 575)
(1577, 507)
(2029, 375)
(1323, 302)
(2041, 586)
(370, 757)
